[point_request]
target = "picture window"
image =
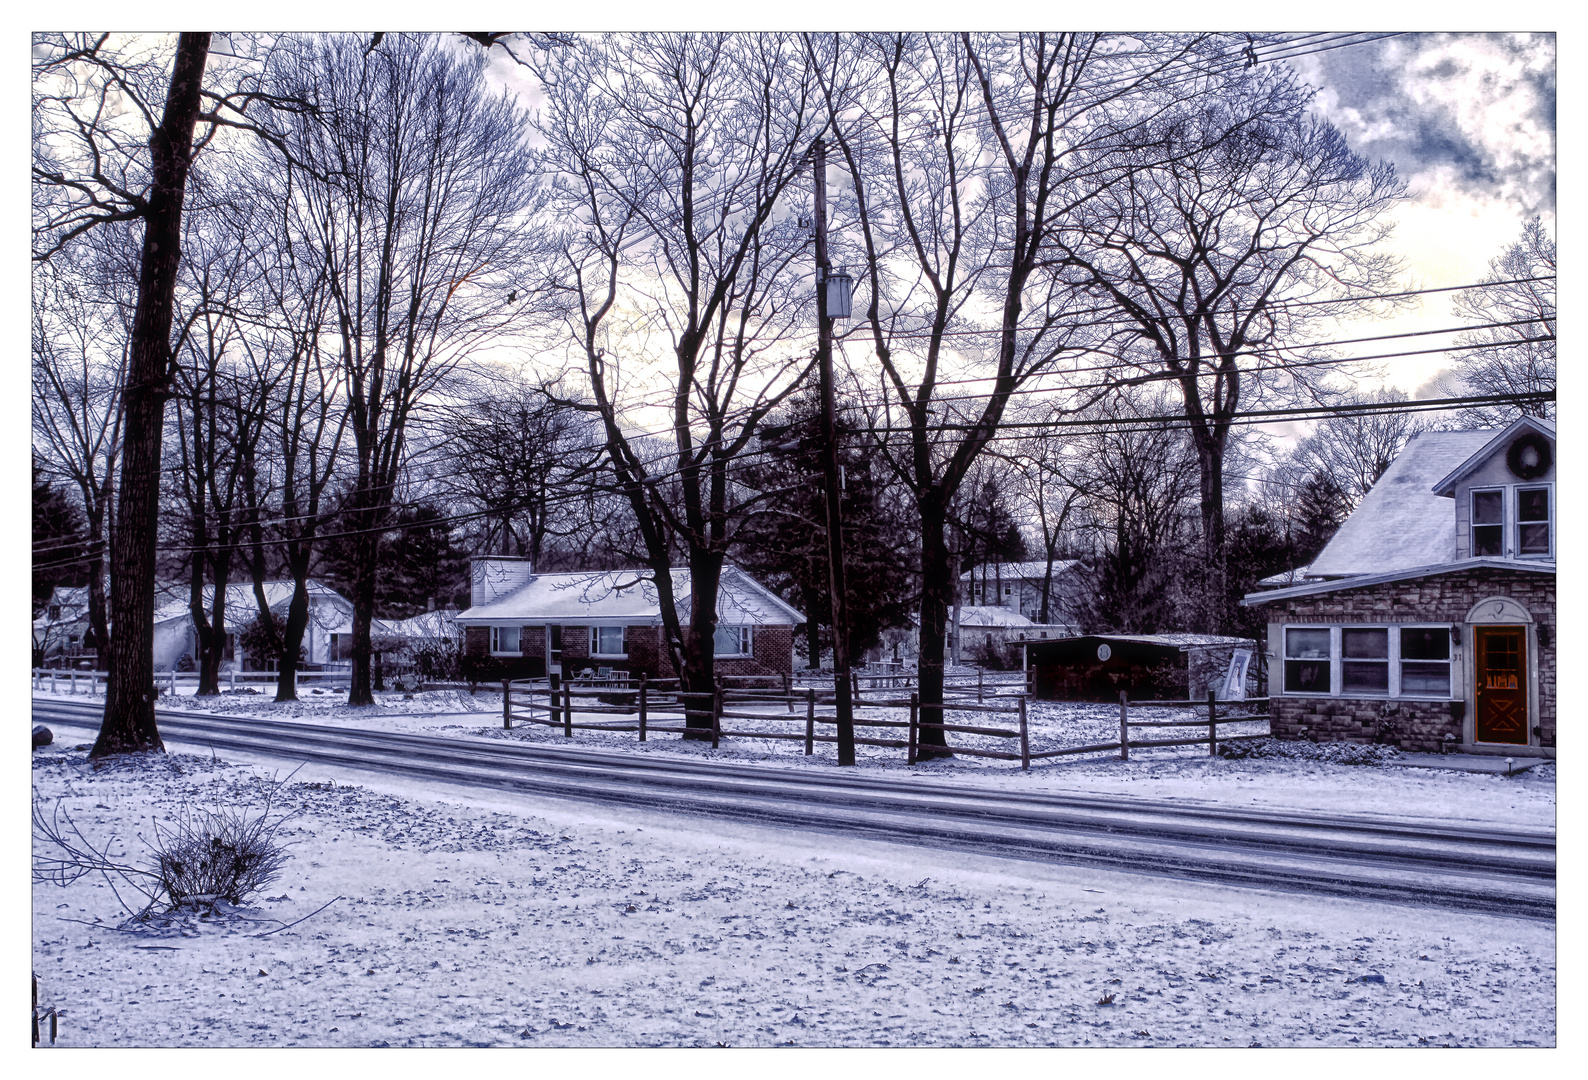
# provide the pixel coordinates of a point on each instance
(505, 640)
(609, 641)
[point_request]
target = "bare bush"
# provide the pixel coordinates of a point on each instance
(225, 853)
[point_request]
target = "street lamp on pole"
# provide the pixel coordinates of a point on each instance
(832, 302)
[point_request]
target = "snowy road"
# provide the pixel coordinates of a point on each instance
(1479, 870)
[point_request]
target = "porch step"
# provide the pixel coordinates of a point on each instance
(1484, 763)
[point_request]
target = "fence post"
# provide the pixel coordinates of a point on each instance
(72, 682)
(642, 707)
(979, 697)
(810, 720)
(173, 683)
(788, 689)
(553, 700)
(1025, 742)
(567, 709)
(234, 680)
(716, 712)
(52, 680)
(915, 705)
(507, 705)
(1213, 725)
(1124, 726)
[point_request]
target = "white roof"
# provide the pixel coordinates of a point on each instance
(1400, 522)
(428, 624)
(1010, 571)
(627, 598)
(171, 602)
(1311, 588)
(978, 615)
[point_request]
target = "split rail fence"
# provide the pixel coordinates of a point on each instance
(647, 706)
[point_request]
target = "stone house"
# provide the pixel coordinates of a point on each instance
(525, 625)
(1429, 622)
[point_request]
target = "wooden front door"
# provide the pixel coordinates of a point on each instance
(1502, 684)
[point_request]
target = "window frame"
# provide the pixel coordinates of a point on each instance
(746, 642)
(1548, 521)
(1473, 524)
(497, 650)
(595, 641)
(1394, 661)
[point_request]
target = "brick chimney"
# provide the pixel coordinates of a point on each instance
(493, 576)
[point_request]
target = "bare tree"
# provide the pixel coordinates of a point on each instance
(674, 156)
(89, 168)
(417, 206)
(1254, 223)
(963, 156)
(1512, 350)
(79, 351)
(1355, 448)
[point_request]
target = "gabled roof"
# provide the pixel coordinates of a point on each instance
(1447, 486)
(628, 598)
(1034, 570)
(171, 602)
(1401, 522)
(1528, 566)
(978, 615)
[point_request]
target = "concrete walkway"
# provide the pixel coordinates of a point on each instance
(1483, 763)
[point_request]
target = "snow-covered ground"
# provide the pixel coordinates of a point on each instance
(1186, 774)
(486, 919)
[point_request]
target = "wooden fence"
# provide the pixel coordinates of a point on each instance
(646, 706)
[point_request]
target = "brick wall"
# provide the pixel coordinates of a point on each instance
(1444, 597)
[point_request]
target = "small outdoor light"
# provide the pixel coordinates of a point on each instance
(837, 284)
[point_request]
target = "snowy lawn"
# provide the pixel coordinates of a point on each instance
(1185, 774)
(469, 919)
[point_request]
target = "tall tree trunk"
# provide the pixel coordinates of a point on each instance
(98, 623)
(360, 689)
(937, 592)
(129, 725)
(700, 669)
(1210, 457)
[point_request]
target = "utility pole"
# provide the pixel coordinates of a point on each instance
(835, 533)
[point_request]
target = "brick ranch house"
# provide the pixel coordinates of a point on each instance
(526, 625)
(1429, 621)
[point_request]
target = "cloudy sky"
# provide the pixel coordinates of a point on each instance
(1469, 122)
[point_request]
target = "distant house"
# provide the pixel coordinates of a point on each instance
(530, 624)
(1019, 586)
(326, 638)
(1429, 619)
(1162, 667)
(62, 636)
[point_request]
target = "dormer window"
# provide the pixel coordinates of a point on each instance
(1488, 523)
(1532, 521)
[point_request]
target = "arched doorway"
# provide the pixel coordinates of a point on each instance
(1502, 682)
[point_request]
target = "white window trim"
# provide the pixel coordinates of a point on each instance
(1337, 658)
(595, 642)
(495, 651)
(1516, 525)
(746, 642)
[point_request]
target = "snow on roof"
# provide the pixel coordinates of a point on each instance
(628, 598)
(1400, 522)
(978, 615)
(1309, 588)
(1179, 641)
(428, 624)
(171, 601)
(1287, 577)
(1011, 571)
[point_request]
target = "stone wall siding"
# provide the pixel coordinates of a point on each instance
(1442, 597)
